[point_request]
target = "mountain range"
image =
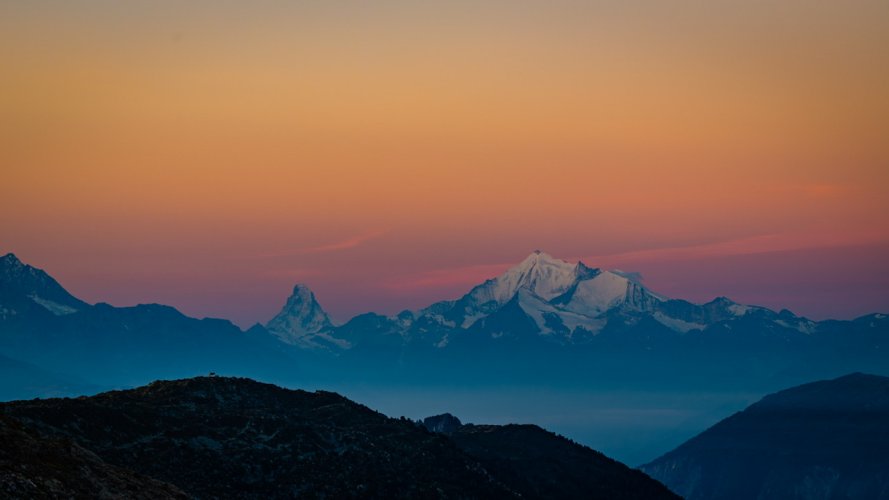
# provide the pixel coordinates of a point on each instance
(572, 323)
(577, 336)
(57, 337)
(560, 302)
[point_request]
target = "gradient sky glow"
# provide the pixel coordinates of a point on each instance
(209, 155)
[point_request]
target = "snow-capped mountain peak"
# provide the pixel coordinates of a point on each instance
(300, 318)
(550, 291)
(542, 274)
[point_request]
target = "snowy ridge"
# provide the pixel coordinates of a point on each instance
(556, 294)
(558, 300)
(53, 307)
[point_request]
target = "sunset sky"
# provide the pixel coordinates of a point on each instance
(210, 155)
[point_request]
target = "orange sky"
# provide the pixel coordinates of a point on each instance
(210, 156)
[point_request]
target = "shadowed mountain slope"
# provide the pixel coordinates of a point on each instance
(824, 440)
(45, 330)
(541, 464)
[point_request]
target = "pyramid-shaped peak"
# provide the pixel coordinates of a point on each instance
(301, 315)
(302, 296)
(302, 290)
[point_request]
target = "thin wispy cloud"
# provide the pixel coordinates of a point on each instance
(347, 243)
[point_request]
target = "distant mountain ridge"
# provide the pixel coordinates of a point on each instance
(822, 440)
(573, 322)
(567, 303)
(46, 328)
(542, 321)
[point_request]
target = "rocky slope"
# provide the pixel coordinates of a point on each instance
(540, 464)
(36, 467)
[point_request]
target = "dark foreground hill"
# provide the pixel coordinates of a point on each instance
(540, 464)
(217, 437)
(32, 467)
(824, 440)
